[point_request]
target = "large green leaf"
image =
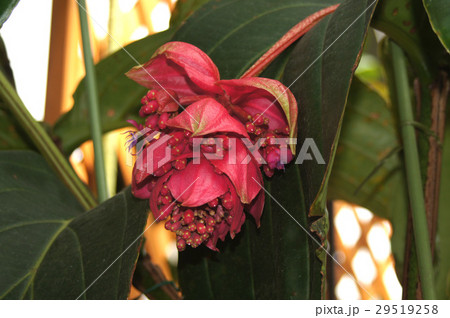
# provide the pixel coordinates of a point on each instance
(50, 249)
(278, 260)
(6, 8)
(321, 86)
(368, 168)
(119, 96)
(183, 9)
(368, 140)
(272, 262)
(439, 14)
(236, 33)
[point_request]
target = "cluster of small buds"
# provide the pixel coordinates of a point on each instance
(157, 107)
(257, 124)
(195, 226)
(258, 127)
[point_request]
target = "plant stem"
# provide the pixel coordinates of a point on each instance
(44, 144)
(94, 113)
(413, 174)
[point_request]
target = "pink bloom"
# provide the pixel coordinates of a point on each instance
(202, 201)
(266, 107)
(202, 195)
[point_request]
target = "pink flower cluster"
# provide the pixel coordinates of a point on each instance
(202, 199)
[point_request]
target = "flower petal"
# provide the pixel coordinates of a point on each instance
(221, 232)
(242, 170)
(180, 67)
(264, 96)
(257, 206)
(237, 212)
(140, 184)
(207, 116)
(197, 184)
(153, 157)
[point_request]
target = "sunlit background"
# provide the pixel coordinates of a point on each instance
(362, 247)
(361, 241)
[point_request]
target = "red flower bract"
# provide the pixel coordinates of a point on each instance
(202, 188)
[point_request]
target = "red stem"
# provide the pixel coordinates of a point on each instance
(290, 37)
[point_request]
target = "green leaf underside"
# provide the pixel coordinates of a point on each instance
(119, 97)
(50, 249)
(278, 260)
(368, 136)
(439, 13)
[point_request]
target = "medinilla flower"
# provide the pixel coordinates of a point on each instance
(201, 194)
(202, 190)
(179, 74)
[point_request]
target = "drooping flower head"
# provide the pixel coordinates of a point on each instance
(202, 188)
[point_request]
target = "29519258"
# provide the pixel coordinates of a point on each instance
(406, 309)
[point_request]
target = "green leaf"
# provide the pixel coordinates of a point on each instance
(236, 33)
(183, 9)
(321, 87)
(119, 96)
(5, 67)
(272, 262)
(50, 249)
(439, 14)
(6, 8)
(278, 260)
(10, 136)
(368, 137)
(407, 24)
(368, 143)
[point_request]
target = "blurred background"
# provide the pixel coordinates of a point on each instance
(360, 241)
